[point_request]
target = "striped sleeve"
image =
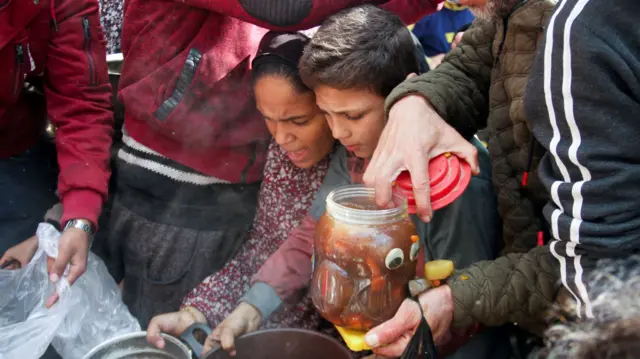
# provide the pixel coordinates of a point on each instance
(583, 103)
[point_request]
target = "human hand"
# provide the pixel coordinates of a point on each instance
(244, 319)
(20, 254)
(456, 40)
(414, 134)
(73, 250)
(436, 60)
(392, 337)
(173, 324)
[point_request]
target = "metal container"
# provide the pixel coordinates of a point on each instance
(284, 344)
(135, 346)
(264, 344)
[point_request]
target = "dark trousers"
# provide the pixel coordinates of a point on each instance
(27, 190)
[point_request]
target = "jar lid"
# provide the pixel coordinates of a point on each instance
(449, 177)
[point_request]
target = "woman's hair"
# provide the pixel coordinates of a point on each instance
(278, 55)
(615, 331)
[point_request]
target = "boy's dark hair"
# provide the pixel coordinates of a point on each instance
(362, 47)
(278, 55)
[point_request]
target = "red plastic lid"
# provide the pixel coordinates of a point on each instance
(449, 177)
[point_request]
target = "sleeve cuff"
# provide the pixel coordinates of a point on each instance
(264, 298)
(460, 293)
(200, 306)
(81, 203)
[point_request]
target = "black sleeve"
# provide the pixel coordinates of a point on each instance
(583, 102)
(467, 230)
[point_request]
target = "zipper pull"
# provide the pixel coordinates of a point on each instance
(20, 54)
(85, 25)
(540, 239)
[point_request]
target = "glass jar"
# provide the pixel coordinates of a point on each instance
(364, 257)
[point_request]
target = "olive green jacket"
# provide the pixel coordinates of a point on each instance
(480, 85)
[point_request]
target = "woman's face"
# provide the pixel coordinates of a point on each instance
(294, 120)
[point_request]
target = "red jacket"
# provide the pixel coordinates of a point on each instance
(185, 82)
(60, 41)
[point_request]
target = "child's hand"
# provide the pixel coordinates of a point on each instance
(244, 319)
(173, 324)
(20, 254)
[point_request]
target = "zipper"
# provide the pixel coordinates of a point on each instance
(87, 50)
(19, 55)
(504, 38)
(505, 20)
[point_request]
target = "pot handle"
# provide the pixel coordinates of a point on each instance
(190, 340)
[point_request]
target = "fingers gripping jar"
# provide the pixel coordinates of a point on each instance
(364, 258)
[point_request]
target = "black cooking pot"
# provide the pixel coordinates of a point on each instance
(272, 344)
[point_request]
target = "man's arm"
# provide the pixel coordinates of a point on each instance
(583, 101)
(293, 15)
(516, 288)
(458, 89)
(490, 292)
(285, 273)
(79, 104)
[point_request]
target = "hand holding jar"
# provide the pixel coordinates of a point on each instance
(364, 258)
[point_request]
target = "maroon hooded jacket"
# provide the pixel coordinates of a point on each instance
(60, 41)
(185, 82)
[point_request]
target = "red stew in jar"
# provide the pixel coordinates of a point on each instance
(364, 258)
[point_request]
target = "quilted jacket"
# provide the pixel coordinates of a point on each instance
(480, 85)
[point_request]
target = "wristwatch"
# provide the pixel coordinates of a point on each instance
(82, 225)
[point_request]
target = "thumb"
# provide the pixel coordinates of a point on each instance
(470, 155)
(463, 149)
(154, 330)
(227, 337)
(210, 343)
(59, 265)
(413, 74)
(5, 258)
(406, 319)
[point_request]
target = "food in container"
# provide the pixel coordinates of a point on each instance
(364, 258)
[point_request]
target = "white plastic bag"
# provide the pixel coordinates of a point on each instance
(87, 314)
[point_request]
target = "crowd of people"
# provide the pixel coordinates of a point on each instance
(238, 124)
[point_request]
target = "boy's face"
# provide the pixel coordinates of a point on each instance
(355, 116)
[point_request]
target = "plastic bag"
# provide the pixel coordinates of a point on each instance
(87, 314)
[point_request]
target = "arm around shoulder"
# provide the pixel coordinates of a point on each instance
(458, 89)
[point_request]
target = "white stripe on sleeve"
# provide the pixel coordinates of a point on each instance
(573, 267)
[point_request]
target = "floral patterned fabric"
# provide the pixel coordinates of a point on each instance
(286, 194)
(111, 14)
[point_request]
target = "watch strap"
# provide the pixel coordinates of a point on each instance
(81, 225)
